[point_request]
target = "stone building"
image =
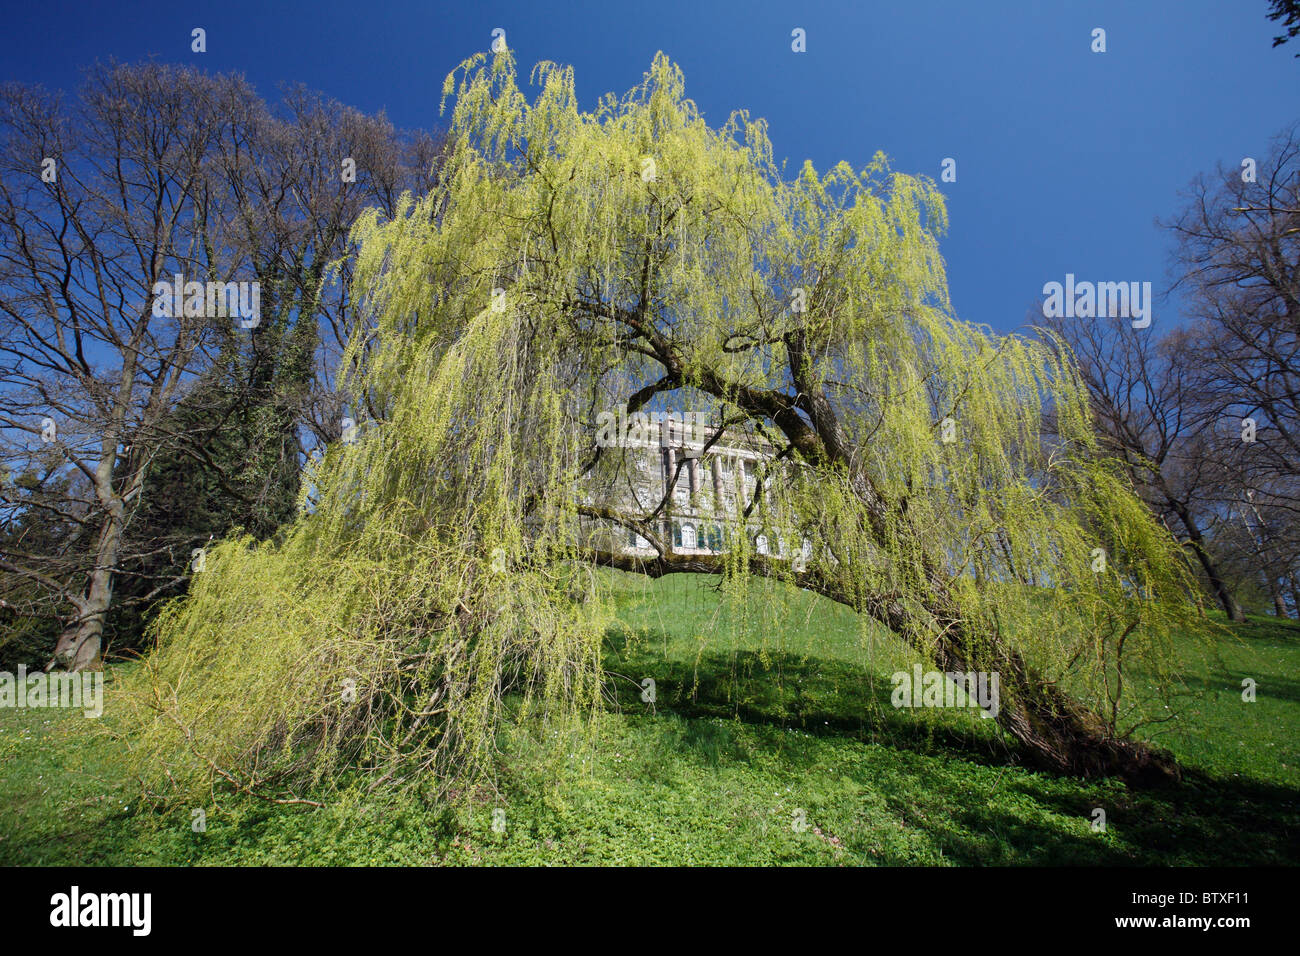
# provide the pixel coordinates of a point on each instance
(709, 488)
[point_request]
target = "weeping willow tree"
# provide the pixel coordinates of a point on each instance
(442, 581)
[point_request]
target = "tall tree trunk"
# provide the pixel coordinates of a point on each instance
(79, 646)
(1222, 593)
(1279, 602)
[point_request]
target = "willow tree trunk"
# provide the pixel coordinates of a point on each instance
(1057, 732)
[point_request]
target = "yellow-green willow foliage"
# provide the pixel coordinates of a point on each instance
(440, 578)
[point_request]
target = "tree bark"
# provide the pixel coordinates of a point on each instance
(80, 646)
(1057, 732)
(1222, 593)
(1279, 603)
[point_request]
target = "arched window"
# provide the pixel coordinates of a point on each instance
(688, 536)
(677, 534)
(713, 537)
(760, 544)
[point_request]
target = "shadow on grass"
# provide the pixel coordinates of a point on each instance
(823, 698)
(1267, 685)
(1206, 820)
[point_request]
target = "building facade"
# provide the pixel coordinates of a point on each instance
(707, 487)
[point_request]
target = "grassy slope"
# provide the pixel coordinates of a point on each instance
(748, 729)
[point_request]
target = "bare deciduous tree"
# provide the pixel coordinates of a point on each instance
(1143, 401)
(156, 172)
(1238, 261)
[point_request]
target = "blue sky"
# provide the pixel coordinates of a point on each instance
(1065, 157)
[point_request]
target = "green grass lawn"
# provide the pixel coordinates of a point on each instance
(765, 744)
